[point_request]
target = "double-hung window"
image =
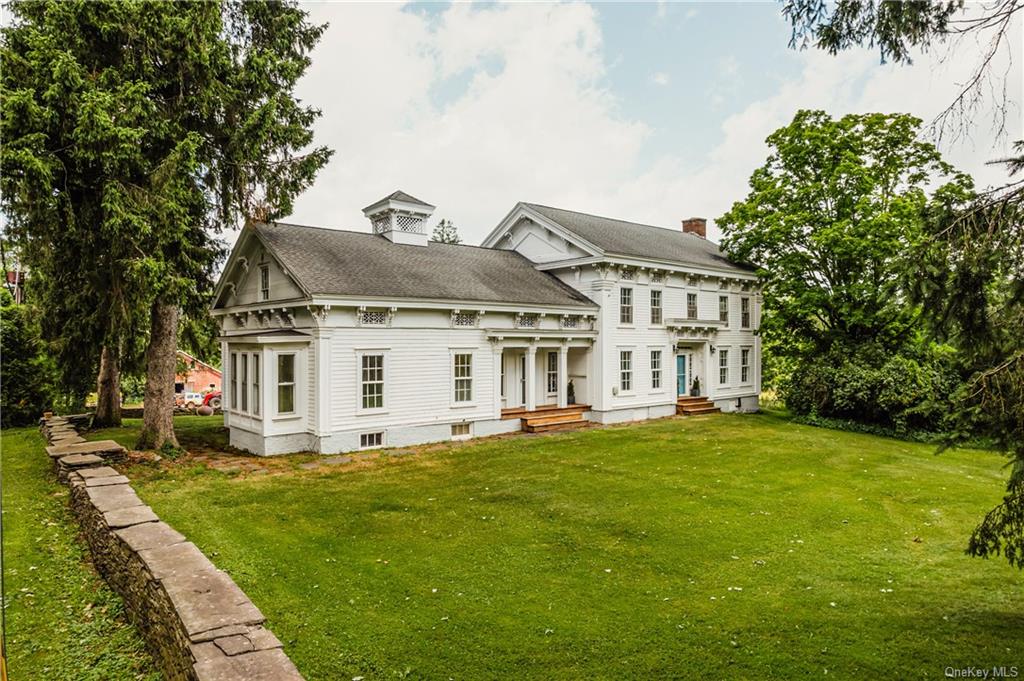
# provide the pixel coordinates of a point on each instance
(723, 309)
(264, 282)
(655, 307)
(655, 369)
(372, 381)
(245, 382)
(256, 384)
(745, 313)
(552, 374)
(744, 365)
(723, 366)
(691, 305)
(625, 370)
(286, 383)
(462, 363)
(234, 380)
(625, 305)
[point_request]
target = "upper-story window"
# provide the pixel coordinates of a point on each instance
(691, 305)
(723, 309)
(264, 282)
(625, 305)
(655, 307)
(745, 313)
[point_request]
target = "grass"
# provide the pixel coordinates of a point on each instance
(739, 546)
(62, 620)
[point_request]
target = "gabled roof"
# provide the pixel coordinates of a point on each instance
(335, 262)
(633, 239)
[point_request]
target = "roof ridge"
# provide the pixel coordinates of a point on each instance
(628, 222)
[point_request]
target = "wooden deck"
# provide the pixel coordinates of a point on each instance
(548, 417)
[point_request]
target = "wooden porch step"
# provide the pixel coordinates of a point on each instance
(554, 418)
(697, 411)
(686, 399)
(544, 410)
(559, 425)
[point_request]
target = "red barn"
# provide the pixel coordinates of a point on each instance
(200, 377)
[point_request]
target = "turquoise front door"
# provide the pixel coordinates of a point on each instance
(680, 374)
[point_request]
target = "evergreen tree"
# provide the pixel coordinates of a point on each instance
(134, 132)
(446, 233)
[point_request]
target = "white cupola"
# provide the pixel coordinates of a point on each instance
(400, 218)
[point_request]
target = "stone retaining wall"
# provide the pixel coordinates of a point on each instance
(197, 623)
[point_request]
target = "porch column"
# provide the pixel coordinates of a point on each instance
(531, 378)
(563, 375)
(498, 359)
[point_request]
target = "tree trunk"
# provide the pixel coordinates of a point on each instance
(108, 390)
(161, 360)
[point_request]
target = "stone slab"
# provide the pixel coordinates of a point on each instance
(264, 639)
(106, 480)
(149, 536)
(112, 497)
(230, 630)
(209, 600)
(98, 472)
(73, 440)
(96, 447)
(183, 558)
(80, 460)
(234, 645)
(262, 665)
(336, 460)
(126, 517)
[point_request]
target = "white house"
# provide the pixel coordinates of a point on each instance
(337, 340)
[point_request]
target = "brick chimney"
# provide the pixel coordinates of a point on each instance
(698, 226)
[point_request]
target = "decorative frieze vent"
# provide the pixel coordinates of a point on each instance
(657, 277)
(377, 317)
(465, 320)
(627, 274)
(526, 321)
(570, 321)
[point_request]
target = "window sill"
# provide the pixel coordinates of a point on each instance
(463, 405)
(627, 326)
(287, 417)
(371, 412)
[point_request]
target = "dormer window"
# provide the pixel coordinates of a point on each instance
(264, 282)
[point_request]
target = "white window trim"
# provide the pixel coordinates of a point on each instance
(233, 381)
(650, 369)
(263, 269)
(256, 387)
(750, 313)
(728, 309)
(696, 304)
(650, 308)
(297, 372)
(728, 366)
(360, 353)
(383, 438)
(632, 307)
(548, 372)
(632, 370)
(472, 402)
(750, 365)
(466, 436)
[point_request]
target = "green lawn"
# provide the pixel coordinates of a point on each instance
(738, 546)
(62, 620)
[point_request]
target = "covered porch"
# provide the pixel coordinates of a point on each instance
(542, 372)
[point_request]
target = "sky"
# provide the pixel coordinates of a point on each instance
(651, 112)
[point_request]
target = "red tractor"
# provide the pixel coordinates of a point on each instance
(212, 400)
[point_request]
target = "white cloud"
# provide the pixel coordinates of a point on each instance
(660, 78)
(536, 121)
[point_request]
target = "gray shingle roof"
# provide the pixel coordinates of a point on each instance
(336, 262)
(620, 237)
